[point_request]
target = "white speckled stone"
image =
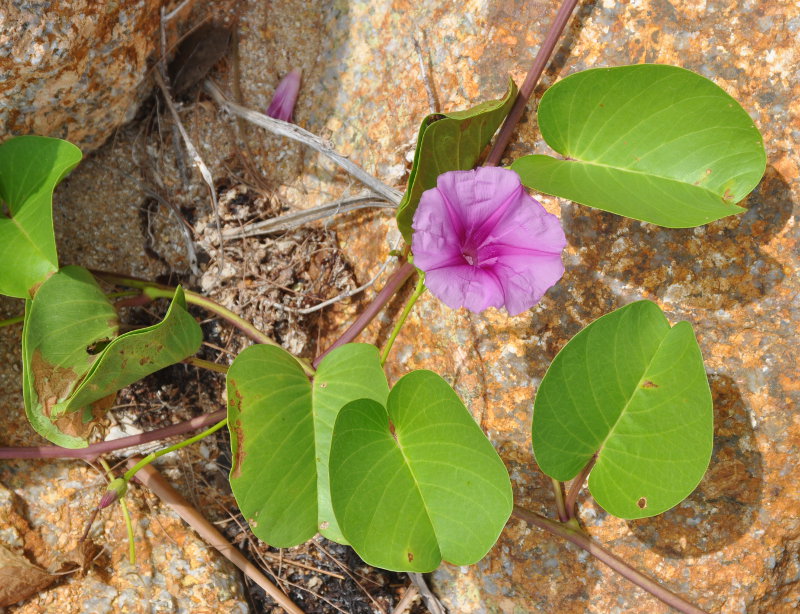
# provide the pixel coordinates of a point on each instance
(74, 69)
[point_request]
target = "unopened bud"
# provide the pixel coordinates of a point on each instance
(114, 491)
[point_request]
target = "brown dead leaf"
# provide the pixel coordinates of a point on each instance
(18, 578)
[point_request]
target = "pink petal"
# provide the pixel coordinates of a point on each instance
(475, 195)
(526, 278)
(484, 242)
(465, 286)
(528, 224)
(285, 97)
(435, 242)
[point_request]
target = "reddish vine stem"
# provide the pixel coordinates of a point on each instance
(575, 487)
(96, 449)
(532, 78)
(582, 540)
(393, 284)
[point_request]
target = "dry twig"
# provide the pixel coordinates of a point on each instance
(153, 480)
(412, 592)
(298, 218)
(300, 135)
(196, 159)
(431, 601)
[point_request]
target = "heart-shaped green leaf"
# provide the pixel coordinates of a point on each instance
(73, 361)
(450, 142)
(655, 143)
(632, 390)
(417, 481)
(281, 424)
(30, 169)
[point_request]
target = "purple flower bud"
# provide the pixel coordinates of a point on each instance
(285, 97)
(482, 241)
(115, 490)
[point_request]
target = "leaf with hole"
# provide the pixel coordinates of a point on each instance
(632, 390)
(450, 142)
(30, 169)
(280, 425)
(138, 353)
(655, 143)
(68, 315)
(73, 361)
(416, 481)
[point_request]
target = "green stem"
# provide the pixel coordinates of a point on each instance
(123, 294)
(563, 516)
(575, 488)
(11, 321)
(206, 364)
(406, 310)
(126, 515)
(181, 444)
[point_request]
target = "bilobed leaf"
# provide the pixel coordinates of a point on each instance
(655, 143)
(450, 142)
(280, 425)
(73, 360)
(428, 487)
(138, 353)
(66, 318)
(632, 390)
(30, 169)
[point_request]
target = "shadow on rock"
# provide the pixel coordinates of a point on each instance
(716, 266)
(726, 502)
(527, 565)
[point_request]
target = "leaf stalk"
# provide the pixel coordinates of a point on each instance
(403, 316)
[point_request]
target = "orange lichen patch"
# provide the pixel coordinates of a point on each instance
(789, 383)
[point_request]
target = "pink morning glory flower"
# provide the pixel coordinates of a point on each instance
(285, 97)
(482, 241)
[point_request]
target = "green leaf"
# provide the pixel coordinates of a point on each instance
(280, 425)
(68, 314)
(73, 362)
(432, 488)
(632, 390)
(137, 354)
(450, 142)
(30, 169)
(655, 143)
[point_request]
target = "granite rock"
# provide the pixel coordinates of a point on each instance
(175, 571)
(74, 70)
(732, 546)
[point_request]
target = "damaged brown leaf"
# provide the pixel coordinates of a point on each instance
(19, 579)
